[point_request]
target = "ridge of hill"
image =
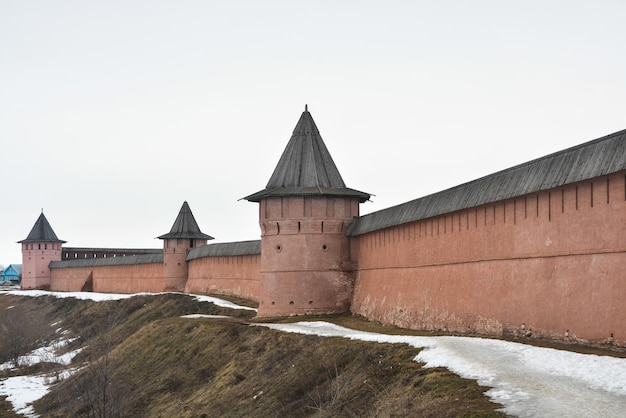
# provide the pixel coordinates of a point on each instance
(139, 357)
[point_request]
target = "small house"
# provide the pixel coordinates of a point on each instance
(11, 275)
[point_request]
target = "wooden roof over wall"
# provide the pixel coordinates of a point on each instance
(306, 168)
(129, 251)
(109, 261)
(595, 158)
(226, 249)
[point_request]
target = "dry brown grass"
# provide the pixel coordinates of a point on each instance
(142, 360)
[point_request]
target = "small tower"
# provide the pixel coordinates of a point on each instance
(184, 235)
(304, 212)
(39, 249)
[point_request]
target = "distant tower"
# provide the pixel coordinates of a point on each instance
(40, 248)
(303, 213)
(184, 235)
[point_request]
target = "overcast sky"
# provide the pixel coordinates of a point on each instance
(112, 113)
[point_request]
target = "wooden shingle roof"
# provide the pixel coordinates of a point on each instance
(185, 226)
(41, 232)
(109, 261)
(306, 168)
(595, 158)
(226, 249)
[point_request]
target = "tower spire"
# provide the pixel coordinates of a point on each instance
(41, 232)
(306, 168)
(185, 226)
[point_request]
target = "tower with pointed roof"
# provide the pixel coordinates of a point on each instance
(184, 236)
(39, 249)
(304, 212)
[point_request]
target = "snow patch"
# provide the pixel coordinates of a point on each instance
(528, 381)
(98, 297)
(44, 354)
(206, 316)
(21, 391)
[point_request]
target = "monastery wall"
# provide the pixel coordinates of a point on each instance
(125, 278)
(133, 278)
(551, 263)
(71, 279)
(238, 276)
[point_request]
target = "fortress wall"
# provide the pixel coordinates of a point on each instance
(552, 263)
(226, 275)
(133, 278)
(69, 279)
(129, 278)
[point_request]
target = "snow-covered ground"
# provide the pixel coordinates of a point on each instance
(528, 381)
(116, 296)
(47, 354)
(21, 391)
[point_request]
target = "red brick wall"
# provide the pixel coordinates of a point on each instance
(70, 279)
(552, 262)
(133, 278)
(234, 276)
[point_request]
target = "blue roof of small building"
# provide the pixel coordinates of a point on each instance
(12, 269)
(12, 273)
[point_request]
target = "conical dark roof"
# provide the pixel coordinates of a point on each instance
(41, 232)
(306, 168)
(185, 226)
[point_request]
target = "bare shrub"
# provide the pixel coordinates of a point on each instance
(19, 335)
(101, 386)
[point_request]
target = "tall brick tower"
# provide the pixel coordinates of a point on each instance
(184, 235)
(38, 249)
(303, 212)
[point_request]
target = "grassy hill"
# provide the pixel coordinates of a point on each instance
(139, 358)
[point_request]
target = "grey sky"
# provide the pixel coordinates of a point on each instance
(112, 113)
